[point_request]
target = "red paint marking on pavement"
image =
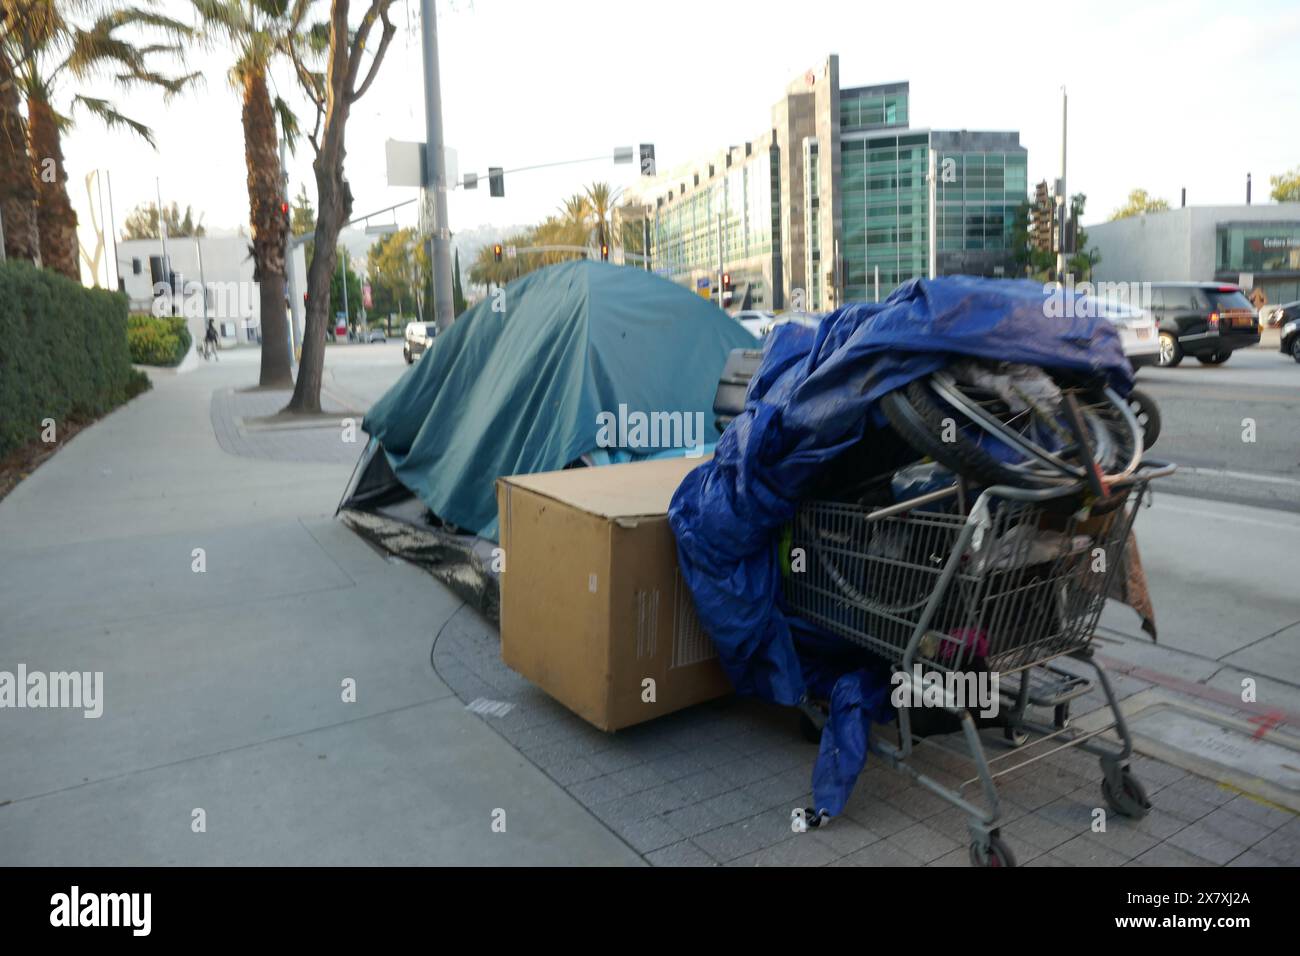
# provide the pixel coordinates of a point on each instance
(1266, 723)
(1269, 718)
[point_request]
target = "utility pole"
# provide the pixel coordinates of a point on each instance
(720, 304)
(343, 265)
(436, 171)
(1063, 199)
(933, 188)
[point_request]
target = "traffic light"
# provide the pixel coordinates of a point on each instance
(496, 181)
(496, 252)
(604, 252)
(726, 282)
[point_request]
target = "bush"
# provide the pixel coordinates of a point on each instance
(157, 341)
(63, 352)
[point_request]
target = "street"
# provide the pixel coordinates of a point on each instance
(1233, 429)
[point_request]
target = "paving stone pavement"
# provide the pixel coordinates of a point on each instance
(715, 785)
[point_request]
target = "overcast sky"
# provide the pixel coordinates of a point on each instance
(1162, 95)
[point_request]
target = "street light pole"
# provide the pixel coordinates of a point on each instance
(436, 171)
(1064, 200)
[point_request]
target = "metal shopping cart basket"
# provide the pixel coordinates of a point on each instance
(949, 595)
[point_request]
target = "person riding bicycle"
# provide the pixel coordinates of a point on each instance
(210, 340)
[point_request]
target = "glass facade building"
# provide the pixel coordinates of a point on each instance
(834, 197)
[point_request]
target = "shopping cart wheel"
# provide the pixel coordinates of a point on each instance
(1015, 736)
(809, 730)
(1131, 800)
(996, 853)
(1061, 716)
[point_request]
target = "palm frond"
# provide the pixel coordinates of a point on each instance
(288, 123)
(111, 118)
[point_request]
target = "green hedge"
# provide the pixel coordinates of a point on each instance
(157, 341)
(63, 353)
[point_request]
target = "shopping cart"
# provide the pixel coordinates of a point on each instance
(949, 595)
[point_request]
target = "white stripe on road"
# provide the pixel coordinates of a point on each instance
(1239, 475)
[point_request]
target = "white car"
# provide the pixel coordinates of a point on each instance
(756, 322)
(416, 339)
(1137, 328)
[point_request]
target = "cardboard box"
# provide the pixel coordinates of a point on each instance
(592, 603)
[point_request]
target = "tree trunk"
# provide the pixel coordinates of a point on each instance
(17, 191)
(334, 207)
(270, 226)
(56, 220)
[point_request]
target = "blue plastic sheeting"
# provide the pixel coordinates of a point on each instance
(517, 390)
(815, 396)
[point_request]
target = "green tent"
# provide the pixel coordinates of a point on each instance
(557, 368)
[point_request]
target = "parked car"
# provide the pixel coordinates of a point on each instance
(1207, 320)
(1290, 343)
(376, 335)
(417, 337)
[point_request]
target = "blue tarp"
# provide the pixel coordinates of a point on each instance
(814, 397)
(515, 385)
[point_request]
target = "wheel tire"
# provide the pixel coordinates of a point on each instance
(997, 855)
(918, 417)
(1171, 353)
(808, 730)
(407, 355)
(1061, 716)
(1147, 413)
(1014, 736)
(1218, 358)
(1131, 801)
(1295, 348)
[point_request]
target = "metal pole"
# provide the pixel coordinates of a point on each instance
(288, 262)
(645, 240)
(877, 268)
(436, 171)
(933, 218)
(112, 225)
(1064, 200)
(720, 305)
(343, 266)
(99, 188)
(198, 251)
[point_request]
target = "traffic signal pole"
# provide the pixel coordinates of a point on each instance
(436, 172)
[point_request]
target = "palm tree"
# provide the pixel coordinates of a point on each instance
(62, 47)
(260, 30)
(601, 199)
(17, 190)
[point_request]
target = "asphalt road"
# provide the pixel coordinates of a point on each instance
(1207, 414)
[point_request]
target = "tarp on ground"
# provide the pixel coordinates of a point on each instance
(515, 385)
(813, 398)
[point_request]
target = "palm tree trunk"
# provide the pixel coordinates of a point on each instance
(55, 218)
(270, 226)
(17, 192)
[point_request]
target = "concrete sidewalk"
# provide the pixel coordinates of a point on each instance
(224, 690)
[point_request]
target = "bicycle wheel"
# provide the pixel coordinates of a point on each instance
(975, 432)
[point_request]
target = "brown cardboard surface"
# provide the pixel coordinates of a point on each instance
(613, 491)
(592, 603)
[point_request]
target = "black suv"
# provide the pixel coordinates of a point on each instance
(1204, 319)
(1289, 320)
